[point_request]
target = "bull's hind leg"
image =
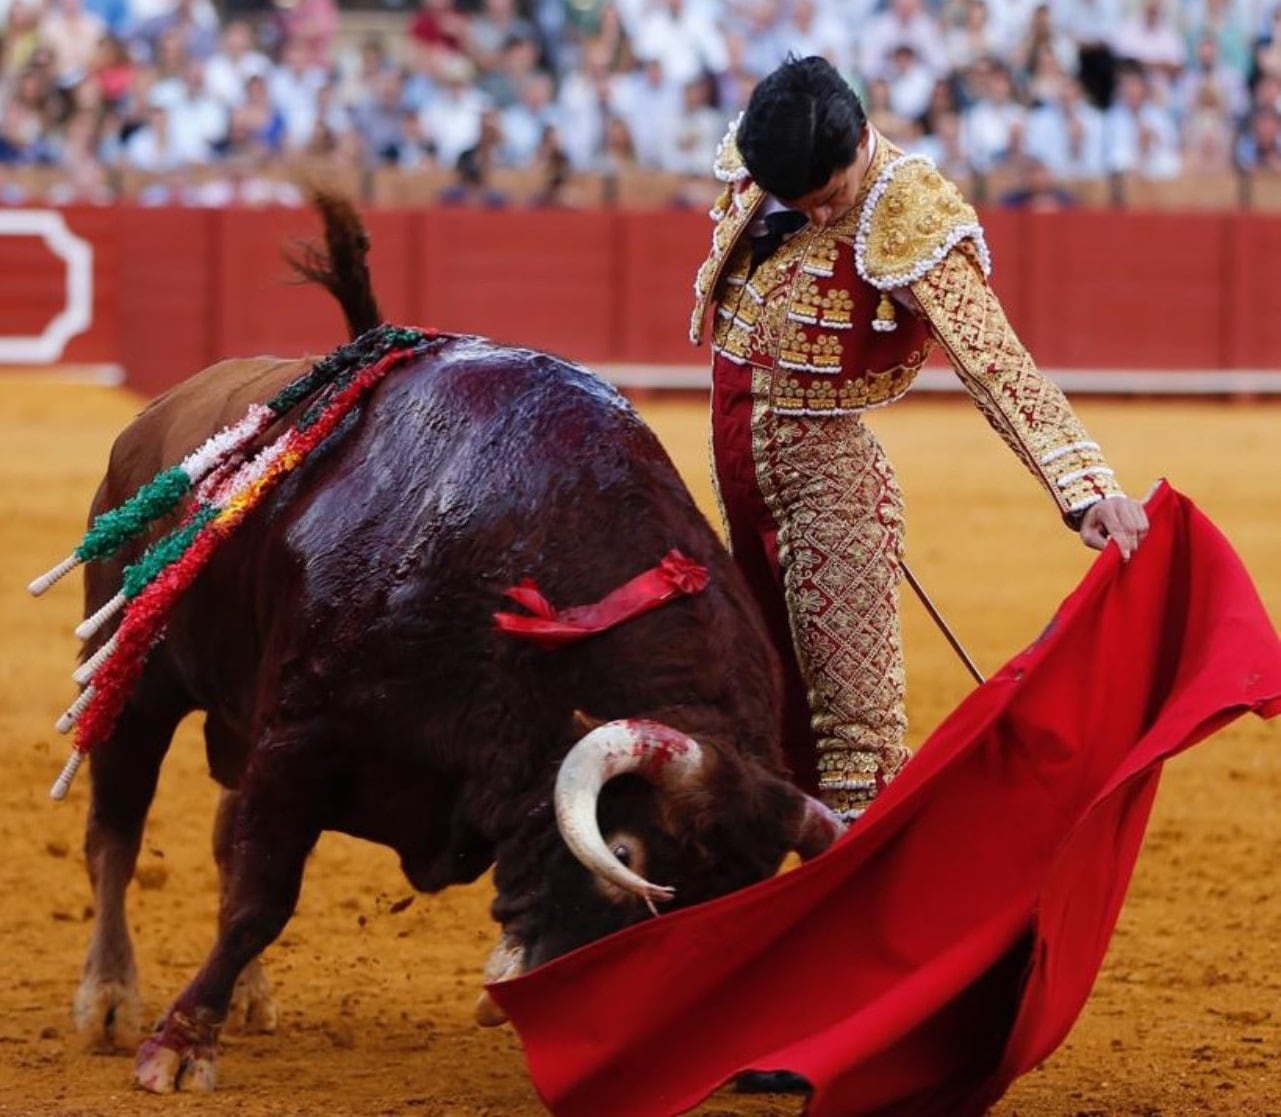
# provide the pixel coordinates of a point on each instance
(253, 1007)
(124, 769)
(275, 826)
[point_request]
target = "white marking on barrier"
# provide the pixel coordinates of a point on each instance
(76, 315)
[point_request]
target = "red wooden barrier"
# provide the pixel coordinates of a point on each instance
(547, 279)
(1251, 294)
(660, 254)
(164, 292)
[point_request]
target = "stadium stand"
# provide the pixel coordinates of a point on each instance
(1164, 104)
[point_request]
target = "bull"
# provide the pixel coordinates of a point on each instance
(341, 644)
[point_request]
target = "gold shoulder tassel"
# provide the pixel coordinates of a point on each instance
(884, 321)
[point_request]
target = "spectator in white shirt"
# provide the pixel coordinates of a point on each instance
(1088, 22)
(197, 121)
(1207, 69)
(734, 86)
(525, 122)
(911, 82)
(1041, 35)
(1140, 135)
(1046, 75)
(904, 21)
(945, 145)
(1208, 134)
(973, 38)
(692, 132)
(1066, 134)
(234, 63)
(294, 85)
(489, 32)
(584, 102)
(1152, 37)
(151, 146)
(379, 117)
(453, 117)
(685, 37)
(763, 27)
(193, 23)
(994, 124)
(812, 29)
(646, 98)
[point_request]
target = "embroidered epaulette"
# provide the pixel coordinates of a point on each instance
(911, 219)
(728, 166)
(732, 212)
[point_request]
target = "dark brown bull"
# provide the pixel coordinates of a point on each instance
(342, 646)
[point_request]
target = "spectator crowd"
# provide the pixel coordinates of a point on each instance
(194, 101)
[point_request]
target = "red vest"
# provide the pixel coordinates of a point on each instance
(807, 317)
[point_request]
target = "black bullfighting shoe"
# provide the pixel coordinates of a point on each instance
(771, 1082)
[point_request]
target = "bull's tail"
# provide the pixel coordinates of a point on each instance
(342, 267)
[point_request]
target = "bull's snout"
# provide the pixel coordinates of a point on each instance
(488, 1014)
(506, 960)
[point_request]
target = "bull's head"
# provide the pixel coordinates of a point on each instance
(647, 819)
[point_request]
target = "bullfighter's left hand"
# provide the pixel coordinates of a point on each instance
(1119, 519)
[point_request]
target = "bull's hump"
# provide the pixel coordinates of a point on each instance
(500, 375)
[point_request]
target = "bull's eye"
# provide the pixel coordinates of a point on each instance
(629, 851)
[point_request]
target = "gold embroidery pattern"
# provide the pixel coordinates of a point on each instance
(911, 219)
(839, 509)
(758, 326)
(732, 214)
(836, 309)
(1027, 410)
(805, 299)
(821, 258)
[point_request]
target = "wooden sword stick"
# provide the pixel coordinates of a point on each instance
(938, 620)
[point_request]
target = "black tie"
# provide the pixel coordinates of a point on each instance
(778, 226)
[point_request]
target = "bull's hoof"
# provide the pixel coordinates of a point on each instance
(162, 1070)
(180, 1055)
(109, 1015)
(253, 1006)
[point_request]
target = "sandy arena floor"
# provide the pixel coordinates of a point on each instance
(376, 996)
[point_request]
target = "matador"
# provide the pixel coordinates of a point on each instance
(837, 320)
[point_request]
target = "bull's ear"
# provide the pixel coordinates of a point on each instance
(584, 723)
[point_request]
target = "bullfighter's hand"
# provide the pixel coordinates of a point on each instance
(1119, 519)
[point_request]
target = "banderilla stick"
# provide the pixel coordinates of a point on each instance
(938, 620)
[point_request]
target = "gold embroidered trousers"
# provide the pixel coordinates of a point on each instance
(814, 516)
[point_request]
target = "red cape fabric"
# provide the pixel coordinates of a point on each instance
(948, 942)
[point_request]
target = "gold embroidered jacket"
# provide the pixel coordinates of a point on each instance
(817, 315)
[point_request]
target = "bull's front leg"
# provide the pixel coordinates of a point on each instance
(274, 829)
(253, 1005)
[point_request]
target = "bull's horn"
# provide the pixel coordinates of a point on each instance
(659, 753)
(820, 827)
